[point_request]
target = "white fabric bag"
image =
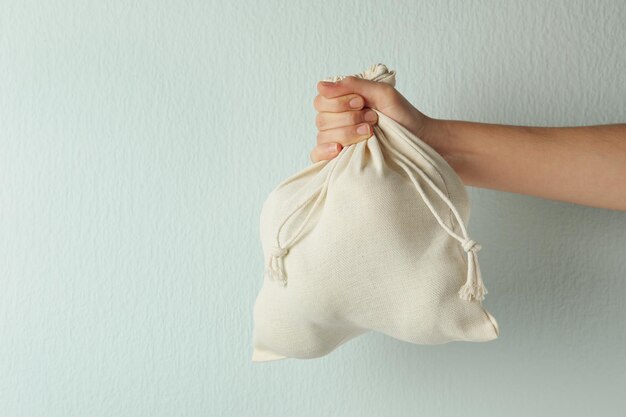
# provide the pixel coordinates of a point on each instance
(373, 240)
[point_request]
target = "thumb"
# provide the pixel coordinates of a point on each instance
(376, 94)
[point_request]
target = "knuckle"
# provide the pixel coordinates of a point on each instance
(319, 121)
(316, 102)
(320, 137)
(387, 87)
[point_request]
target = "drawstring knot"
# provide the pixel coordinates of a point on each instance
(278, 251)
(275, 269)
(471, 246)
(474, 286)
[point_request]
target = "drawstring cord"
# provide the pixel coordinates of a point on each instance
(275, 269)
(473, 287)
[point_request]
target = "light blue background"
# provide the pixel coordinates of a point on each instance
(138, 141)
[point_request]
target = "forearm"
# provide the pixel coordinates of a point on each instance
(583, 165)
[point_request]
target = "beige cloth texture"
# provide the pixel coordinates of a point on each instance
(374, 239)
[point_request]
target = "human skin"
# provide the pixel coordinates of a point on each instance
(583, 164)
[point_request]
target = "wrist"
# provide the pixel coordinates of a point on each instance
(435, 132)
(439, 134)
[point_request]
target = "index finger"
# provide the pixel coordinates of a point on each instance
(331, 90)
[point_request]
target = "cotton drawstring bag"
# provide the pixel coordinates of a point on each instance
(374, 239)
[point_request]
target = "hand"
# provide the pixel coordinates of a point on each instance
(343, 108)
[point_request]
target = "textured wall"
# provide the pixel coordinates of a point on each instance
(138, 141)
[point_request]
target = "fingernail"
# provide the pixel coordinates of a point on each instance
(356, 102)
(328, 83)
(331, 147)
(363, 129)
(370, 116)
